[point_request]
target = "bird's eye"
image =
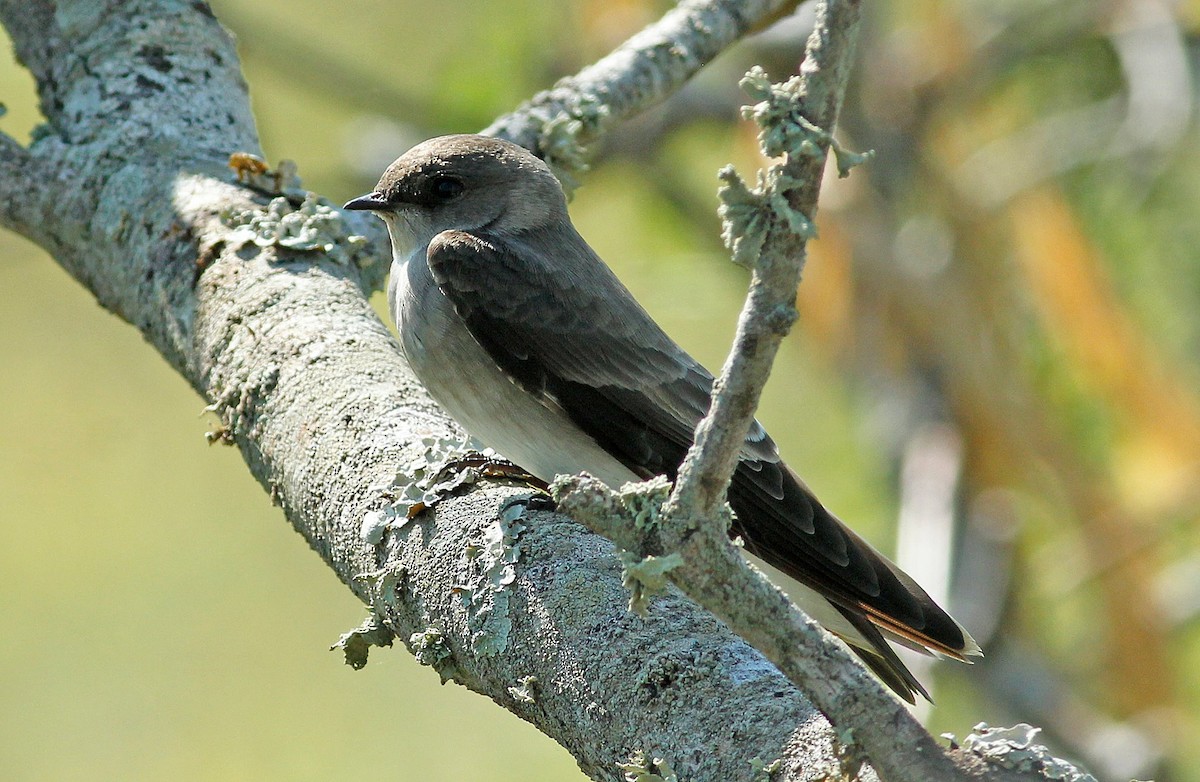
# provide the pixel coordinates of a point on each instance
(446, 188)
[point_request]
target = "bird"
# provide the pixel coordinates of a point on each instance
(527, 338)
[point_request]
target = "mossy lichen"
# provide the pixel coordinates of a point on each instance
(563, 136)
(430, 648)
(421, 483)
(356, 644)
(747, 213)
(1015, 748)
(492, 562)
(639, 768)
(644, 500)
(646, 577)
(523, 690)
(762, 770)
(313, 226)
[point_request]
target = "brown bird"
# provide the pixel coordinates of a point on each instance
(524, 335)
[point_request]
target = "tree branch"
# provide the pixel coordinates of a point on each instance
(797, 121)
(768, 239)
(19, 175)
(781, 235)
(257, 301)
(768, 228)
(144, 102)
(643, 71)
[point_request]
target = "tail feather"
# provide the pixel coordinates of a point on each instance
(882, 659)
(781, 521)
(920, 642)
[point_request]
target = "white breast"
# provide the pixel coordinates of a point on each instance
(478, 394)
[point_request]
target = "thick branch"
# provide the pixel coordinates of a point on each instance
(19, 175)
(761, 614)
(144, 102)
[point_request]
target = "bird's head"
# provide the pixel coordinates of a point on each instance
(463, 183)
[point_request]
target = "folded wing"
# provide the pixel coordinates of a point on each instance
(572, 335)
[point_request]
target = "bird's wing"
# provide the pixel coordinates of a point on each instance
(572, 334)
(558, 321)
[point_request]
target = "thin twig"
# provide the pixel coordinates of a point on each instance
(557, 123)
(772, 230)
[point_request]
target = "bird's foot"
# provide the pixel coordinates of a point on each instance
(489, 465)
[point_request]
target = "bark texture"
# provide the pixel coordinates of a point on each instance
(258, 301)
(127, 188)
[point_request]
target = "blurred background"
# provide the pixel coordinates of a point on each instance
(994, 377)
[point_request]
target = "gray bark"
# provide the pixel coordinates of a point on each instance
(127, 188)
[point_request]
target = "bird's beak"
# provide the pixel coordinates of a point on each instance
(371, 202)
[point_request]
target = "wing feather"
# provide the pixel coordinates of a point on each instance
(566, 329)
